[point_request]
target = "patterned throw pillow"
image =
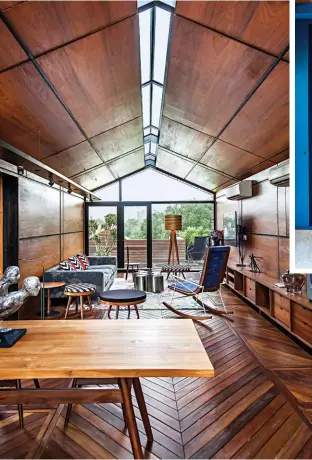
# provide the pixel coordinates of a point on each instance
(84, 259)
(79, 265)
(67, 266)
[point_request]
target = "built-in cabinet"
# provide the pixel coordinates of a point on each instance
(291, 311)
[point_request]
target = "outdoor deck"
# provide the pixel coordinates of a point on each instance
(259, 405)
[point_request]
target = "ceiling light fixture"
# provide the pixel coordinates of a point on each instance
(69, 189)
(155, 24)
(51, 181)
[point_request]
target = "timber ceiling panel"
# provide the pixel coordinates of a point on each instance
(209, 76)
(29, 110)
(74, 160)
(128, 164)
(11, 52)
(206, 178)
(262, 24)
(262, 126)
(229, 159)
(181, 139)
(98, 77)
(173, 163)
(119, 140)
(48, 24)
(4, 5)
(95, 178)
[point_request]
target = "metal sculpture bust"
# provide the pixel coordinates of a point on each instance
(11, 276)
(11, 302)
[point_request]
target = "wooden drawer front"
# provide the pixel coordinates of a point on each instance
(250, 289)
(302, 322)
(281, 309)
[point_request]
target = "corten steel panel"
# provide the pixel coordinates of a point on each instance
(96, 178)
(127, 164)
(206, 178)
(262, 24)
(46, 25)
(73, 213)
(39, 209)
(72, 243)
(11, 52)
(262, 126)
(31, 117)
(7, 4)
(74, 160)
(119, 140)
(229, 159)
(98, 77)
(181, 139)
(209, 76)
(173, 164)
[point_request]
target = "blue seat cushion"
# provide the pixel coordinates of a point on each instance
(186, 286)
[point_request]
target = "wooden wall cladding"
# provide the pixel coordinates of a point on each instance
(189, 69)
(40, 26)
(72, 213)
(39, 209)
(72, 243)
(11, 52)
(29, 111)
(99, 99)
(263, 24)
(266, 218)
(262, 126)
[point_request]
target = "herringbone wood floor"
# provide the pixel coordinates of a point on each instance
(257, 406)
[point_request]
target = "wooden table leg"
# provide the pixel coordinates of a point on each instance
(48, 302)
(81, 306)
(129, 311)
(131, 421)
(137, 311)
(68, 305)
(142, 406)
(109, 310)
(117, 312)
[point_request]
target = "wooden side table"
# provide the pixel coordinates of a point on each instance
(50, 285)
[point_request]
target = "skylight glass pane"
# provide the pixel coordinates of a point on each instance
(146, 102)
(161, 43)
(147, 131)
(145, 45)
(153, 148)
(147, 148)
(154, 131)
(156, 105)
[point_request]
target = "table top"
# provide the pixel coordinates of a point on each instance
(99, 349)
(52, 284)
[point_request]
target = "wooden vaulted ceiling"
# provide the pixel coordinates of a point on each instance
(71, 97)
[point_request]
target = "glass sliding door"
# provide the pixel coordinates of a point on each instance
(197, 220)
(135, 234)
(102, 227)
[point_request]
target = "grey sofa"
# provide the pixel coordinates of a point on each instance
(101, 272)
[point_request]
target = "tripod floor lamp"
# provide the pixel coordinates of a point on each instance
(173, 223)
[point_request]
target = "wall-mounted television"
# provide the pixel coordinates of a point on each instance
(230, 228)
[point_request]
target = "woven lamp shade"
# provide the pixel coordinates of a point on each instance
(173, 222)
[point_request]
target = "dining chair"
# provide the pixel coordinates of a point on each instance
(17, 384)
(212, 275)
(130, 263)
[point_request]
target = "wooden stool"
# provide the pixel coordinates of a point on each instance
(123, 298)
(79, 290)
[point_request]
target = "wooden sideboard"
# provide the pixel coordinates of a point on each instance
(291, 311)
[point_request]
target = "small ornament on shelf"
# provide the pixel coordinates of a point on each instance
(254, 268)
(293, 282)
(217, 238)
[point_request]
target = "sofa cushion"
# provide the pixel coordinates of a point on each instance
(77, 263)
(67, 266)
(109, 268)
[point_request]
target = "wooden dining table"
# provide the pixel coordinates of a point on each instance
(123, 350)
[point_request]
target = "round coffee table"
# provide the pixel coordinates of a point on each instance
(48, 286)
(123, 298)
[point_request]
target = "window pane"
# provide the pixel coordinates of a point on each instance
(146, 101)
(154, 131)
(109, 193)
(161, 43)
(147, 131)
(145, 45)
(103, 230)
(147, 148)
(156, 107)
(153, 148)
(151, 185)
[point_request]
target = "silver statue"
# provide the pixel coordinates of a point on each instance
(10, 303)
(11, 275)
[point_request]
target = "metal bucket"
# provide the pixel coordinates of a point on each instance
(140, 281)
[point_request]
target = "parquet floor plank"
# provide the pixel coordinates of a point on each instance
(243, 412)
